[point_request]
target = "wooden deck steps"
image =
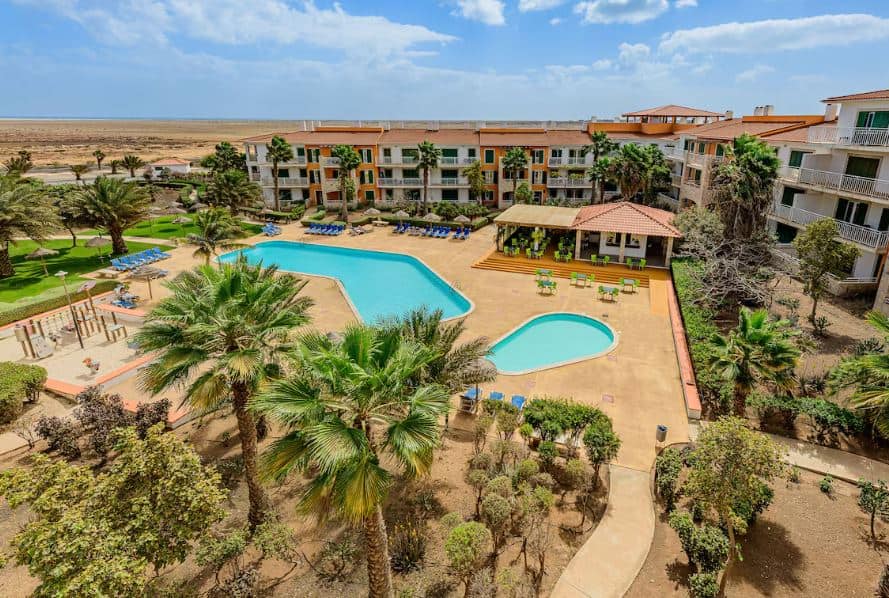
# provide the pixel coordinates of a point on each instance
(611, 274)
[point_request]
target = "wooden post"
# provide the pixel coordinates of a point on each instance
(669, 251)
(623, 246)
(105, 328)
(577, 237)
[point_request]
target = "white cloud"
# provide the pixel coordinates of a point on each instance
(778, 34)
(229, 22)
(686, 3)
(603, 64)
(754, 73)
(529, 5)
(555, 21)
(489, 12)
(630, 54)
(620, 11)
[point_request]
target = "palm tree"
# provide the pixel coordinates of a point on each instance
(476, 178)
(131, 163)
(225, 157)
(759, 350)
(79, 170)
(99, 155)
(628, 170)
(115, 164)
(26, 210)
(600, 146)
(743, 186)
(655, 173)
(515, 161)
(354, 415)
(278, 151)
(868, 375)
(349, 161)
(216, 229)
(602, 172)
(429, 156)
(114, 205)
(222, 333)
(233, 189)
(19, 164)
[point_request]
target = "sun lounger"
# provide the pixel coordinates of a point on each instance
(518, 401)
(495, 396)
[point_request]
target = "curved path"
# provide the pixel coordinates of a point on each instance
(823, 459)
(609, 561)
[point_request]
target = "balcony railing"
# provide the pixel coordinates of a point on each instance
(861, 136)
(450, 182)
(670, 201)
(702, 160)
(835, 285)
(676, 179)
(456, 160)
(398, 160)
(845, 230)
(286, 181)
(837, 182)
(575, 161)
(569, 182)
(254, 176)
(409, 182)
(331, 161)
(676, 153)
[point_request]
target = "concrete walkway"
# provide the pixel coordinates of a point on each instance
(826, 460)
(609, 561)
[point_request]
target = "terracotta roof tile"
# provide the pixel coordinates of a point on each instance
(798, 135)
(673, 110)
(440, 137)
(626, 217)
(322, 137)
(880, 94)
(729, 129)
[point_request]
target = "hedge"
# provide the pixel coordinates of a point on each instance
(18, 382)
(32, 309)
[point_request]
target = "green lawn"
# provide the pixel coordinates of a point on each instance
(30, 283)
(163, 227)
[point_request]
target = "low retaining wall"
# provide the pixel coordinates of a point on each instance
(683, 357)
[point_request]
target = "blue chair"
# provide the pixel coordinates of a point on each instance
(466, 232)
(471, 393)
(119, 265)
(518, 401)
(160, 254)
(495, 396)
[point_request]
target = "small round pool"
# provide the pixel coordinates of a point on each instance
(551, 340)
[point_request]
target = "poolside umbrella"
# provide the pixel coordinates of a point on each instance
(433, 217)
(372, 212)
(40, 253)
(402, 214)
(461, 218)
(98, 243)
(148, 273)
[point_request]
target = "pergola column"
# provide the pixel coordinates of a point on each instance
(623, 246)
(669, 251)
(577, 236)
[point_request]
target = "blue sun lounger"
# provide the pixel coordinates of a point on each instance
(518, 401)
(495, 396)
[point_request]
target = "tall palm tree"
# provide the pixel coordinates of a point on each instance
(216, 230)
(115, 164)
(759, 350)
(99, 155)
(429, 155)
(131, 163)
(79, 170)
(868, 376)
(628, 170)
(232, 188)
(222, 334)
(602, 172)
(225, 157)
(476, 178)
(26, 210)
(278, 151)
(655, 173)
(354, 415)
(600, 146)
(19, 164)
(743, 185)
(515, 161)
(349, 161)
(114, 205)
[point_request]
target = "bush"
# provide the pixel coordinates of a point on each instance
(826, 485)
(667, 468)
(407, 546)
(684, 526)
(548, 453)
(748, 511)
(821, 324)
(149, 414)
(601, 443)
(868, 346)
(99, 414)
(338, 559)
(19, 382)
(830, 417)
(466, 547)
(38, 307)
(710, 548)
(60, 434)
(769, 406)
(451, 520)
(703, 585)
(526, 469)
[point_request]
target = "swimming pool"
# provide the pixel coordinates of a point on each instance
(378, 284)
(551, 340)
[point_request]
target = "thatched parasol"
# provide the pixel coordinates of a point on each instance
(402, 214)
(433, 217)
(98, 243)
(148, 273)
(462, 218)
(40, 253)
(372, 212)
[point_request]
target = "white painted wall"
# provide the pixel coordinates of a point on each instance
(849, 111)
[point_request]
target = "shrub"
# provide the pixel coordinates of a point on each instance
(501, 485)
(748, 511)
(242, 584)
(826, 485)
(821, 324)
(276, 540)
(882, 590)
(830, 417)
(703, 585)
(527, 468)
(710, 548)
(795, 475)
(482, 461)
(451, 520)
(526, 432)
(149, 414)
(100, 414)
(465, 548)
(548, 453)
(407, 546)
(684, 526)
(337, 560)
(768, 406)
(19, 382)
(543, 480)
(667, 468)
(601, 443)
(60, 434)
(868, 346)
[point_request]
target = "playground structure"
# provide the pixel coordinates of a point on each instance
(41, 336)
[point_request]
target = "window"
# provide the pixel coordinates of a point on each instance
(361, 177)
(701, 147)
(449, 195)
(612, 239)
(489, 156)
(449, 152)
(283, 173)
(537, 156)
(634, 242)
(488, 196)
(314, 155)
(851, 211)
(490, 177)
(300, 152)
(538, 197)
(687, 145)
(318, 197)
(303, 172)
(884, 220)
(796, 158)
(366, 155)
(449, 174)
(720, 149)
(555, 153)
(410, 173)
(369, 196)
(787, 196)
(389, 194)
(873, 119)
(471, 152)
(863, 167)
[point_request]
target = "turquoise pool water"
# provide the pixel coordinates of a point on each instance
(378, 284)
(549, 340)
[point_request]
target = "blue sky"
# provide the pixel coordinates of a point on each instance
(485, 59)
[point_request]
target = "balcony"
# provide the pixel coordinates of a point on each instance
(569, 182)
(398, 160)
(450, 182)
(449, 160)
(254, 176)
(849, 136)
(570, 162)
(676, 180)
(786, 256)
(298, 181)
(410, 182)
(669, 201)
(861, 235)
(329, 161)
(702, 160)
(675, 153)
(837, 182)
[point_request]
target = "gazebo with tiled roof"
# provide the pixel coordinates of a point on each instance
(623, 229)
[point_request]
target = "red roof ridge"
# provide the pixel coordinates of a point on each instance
(661, 219)
(879, 94)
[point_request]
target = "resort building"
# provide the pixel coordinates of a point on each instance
(556, 150)
(172, 165)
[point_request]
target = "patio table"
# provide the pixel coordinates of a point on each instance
(630, 282)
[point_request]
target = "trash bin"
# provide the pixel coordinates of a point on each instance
(661, 433)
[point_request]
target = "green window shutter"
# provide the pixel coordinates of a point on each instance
(884, 220)
(449, 153)
(881, 120)
(369, 196)
(796, 158)
(370, 177)
(720, 149)
(862, 119)
(787, 196)
(489, 156)
(863, 167)
(301, 151)
(842, 206)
